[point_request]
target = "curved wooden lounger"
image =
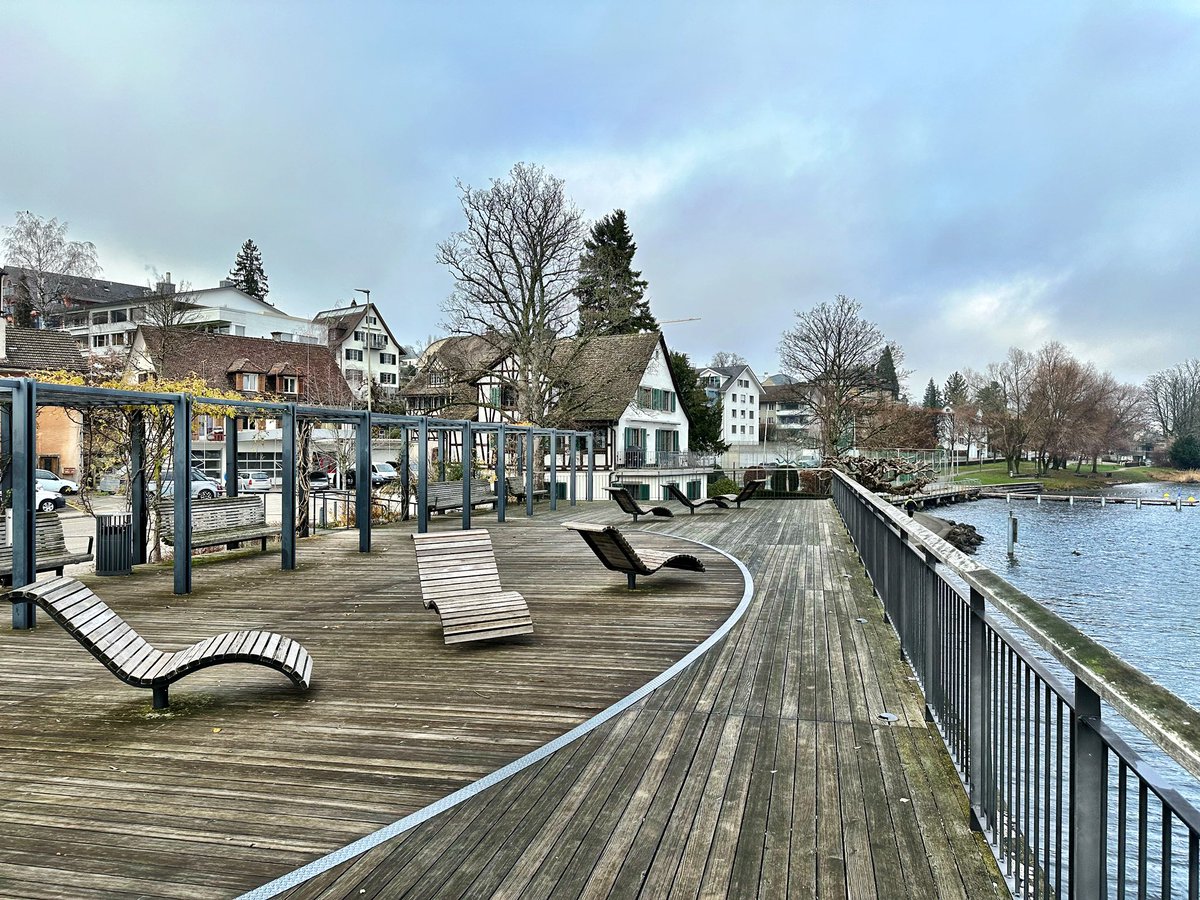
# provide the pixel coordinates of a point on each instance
(617, 554)
(749, 489)
(694, 505)
(460, 582)
(136, 662)
(626, 501)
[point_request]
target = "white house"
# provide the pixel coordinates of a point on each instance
(739, 390)
(365, 348)
(620, 388)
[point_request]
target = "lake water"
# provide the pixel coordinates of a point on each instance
(1128, 577)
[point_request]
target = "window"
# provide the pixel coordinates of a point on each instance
(733, 429)
(249, 381)
(100, 318)
(743, 429)
(289, 384)
(751, 400)
(119, 315)
(358, 336)
(371, 320)
(436, 379)
(693, 490)
(99, 340)
(118, 339)
(752, 414)
(387, 378)
(355, 355)
(387, 359)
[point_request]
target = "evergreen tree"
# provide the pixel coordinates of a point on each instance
(611, 293)
(247, 272)
(885, 373)
(706, 432)
(956, 391)
(933, 398)
(1185, 452)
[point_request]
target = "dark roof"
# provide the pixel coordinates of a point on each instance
(89, 290)
(773, 393)
(40, 349)
(605, 373)
(217, 357)
(729, 373)
(463, 358)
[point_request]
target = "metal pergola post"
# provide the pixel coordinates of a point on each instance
(501, 478)
(422, 476)
(138, 507)
(441, 444)
(591, 465)
(405, 476)
(288, 525)
(231, 456)
(24, 497)
(529, 440)
(182, 472)
(574, 454)
(467, 455)
(362, 481)
(553, 469)
(6, 448)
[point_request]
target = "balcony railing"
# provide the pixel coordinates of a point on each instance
(641, 458)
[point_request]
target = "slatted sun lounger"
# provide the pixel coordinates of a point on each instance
(748, 490)
(694, 505)
(460, 581)
(132, 659)
(625, 500)
(617, 554)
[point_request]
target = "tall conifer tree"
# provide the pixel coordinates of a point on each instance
(611, 293)
(885, 371)
(247, 272)
(933, 397)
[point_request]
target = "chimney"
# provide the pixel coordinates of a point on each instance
(225, 282)
(165, 286)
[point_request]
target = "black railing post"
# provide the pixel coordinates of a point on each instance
(288, 500)
(422, 475)
(24, 497)
(182, 466)
(933, 643)
(362, 481)
(1089, 799)
(553, 469)
(591, 465)
(501, 477)
(979, 718)
(467, 455)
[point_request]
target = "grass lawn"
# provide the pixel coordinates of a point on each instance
(1064, 480)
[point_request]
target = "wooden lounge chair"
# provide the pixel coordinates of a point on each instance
(132, 659)
(628, 504)
(748, 490)
(694, 505)
(460, 581)
(617, 554)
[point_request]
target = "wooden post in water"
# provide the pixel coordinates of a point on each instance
(1012, 534)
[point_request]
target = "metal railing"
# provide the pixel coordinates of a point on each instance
(334, 510)
(1069, 808)
(640, 458)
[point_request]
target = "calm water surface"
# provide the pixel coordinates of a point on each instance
(1128, 577)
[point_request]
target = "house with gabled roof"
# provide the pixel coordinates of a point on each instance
(365, 348)
(445, 384)
(738, 390)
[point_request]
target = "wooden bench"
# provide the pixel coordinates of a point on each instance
(51, 552)
(694, 505)
(516, 489)
(627, 503)
(748, 490)
(132, 659)
(223, 520)
(460, 581)
(441, 496)
(618, 555)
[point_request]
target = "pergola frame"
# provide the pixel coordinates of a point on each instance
(20, 399)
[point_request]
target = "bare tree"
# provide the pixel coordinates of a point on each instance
(1062, 403)
(41, 248)
(727, 358)
(1173, 399)
(515, 269)
(167, 312)
(833, 349)
(1004, 401)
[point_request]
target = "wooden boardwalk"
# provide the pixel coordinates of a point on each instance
(764, 769)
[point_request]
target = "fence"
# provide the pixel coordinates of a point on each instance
(1068, 806)
(335, 510)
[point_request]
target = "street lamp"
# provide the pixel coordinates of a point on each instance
(367, 332)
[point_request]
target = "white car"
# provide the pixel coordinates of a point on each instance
(48, 481)
(255, 482)
(49, 501)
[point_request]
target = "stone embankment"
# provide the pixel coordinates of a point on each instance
(959, 534)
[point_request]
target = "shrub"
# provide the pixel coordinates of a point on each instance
(722, 486)
(1185, 452)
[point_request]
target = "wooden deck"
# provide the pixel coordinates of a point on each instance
(763, 769)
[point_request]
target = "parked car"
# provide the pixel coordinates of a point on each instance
(203, 487)
(256, 482)
(49, 501)
(318, 481)
(381, 474)
(48, 481)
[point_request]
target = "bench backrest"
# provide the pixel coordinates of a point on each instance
(437, 491)
(218, 514)
(625, 500)
(750, 487)
(49, 540)
(610, 546)
(456, 564)
(679, 495)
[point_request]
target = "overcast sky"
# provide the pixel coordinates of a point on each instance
(976, 175)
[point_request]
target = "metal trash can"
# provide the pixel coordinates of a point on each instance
(114, 544)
